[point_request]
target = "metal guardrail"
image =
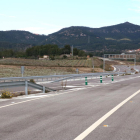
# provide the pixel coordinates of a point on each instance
(87, 74)
(26, 84)
(57, 76)
(23, 81)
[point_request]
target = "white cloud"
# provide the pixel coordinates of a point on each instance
(135, 6)
(136, 0)
(12, 16)
(135, 10)
(7, 16)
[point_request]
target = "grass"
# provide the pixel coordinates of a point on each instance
(127, 39)
(15, 71)
(110, 39)
(46, 63)
(11, 67)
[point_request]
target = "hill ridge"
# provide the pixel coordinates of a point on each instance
(122, 36)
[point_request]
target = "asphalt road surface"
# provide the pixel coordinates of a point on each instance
(123, 68)
(91, 112)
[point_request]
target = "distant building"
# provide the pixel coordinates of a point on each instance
(45, 57)
(88, 57)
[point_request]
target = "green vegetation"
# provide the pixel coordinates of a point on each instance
(122, 36)
(32, 81)
(38, 51)
(5, 94)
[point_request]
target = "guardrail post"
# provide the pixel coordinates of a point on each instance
(101, 79)
(86, 82)
(26, 87)
(43, 89)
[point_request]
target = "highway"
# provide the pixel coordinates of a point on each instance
(122, 68)
(91, 112)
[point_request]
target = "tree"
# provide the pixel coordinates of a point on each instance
(75, 51)
(81, 53)
(64, 56)
(67, 49)
(90, 54)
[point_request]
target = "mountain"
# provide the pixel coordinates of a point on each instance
(19, 39)
(117, 37)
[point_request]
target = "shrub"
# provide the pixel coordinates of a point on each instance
(136, 72)
(29, 92)
(6, 94)
(46, 91)
(101, 66)
(32, 80)
(64, 56)
(52, 57)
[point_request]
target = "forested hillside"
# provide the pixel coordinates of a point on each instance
(19, 39)
(117, 37)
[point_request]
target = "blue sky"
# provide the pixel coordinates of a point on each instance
(48, 16)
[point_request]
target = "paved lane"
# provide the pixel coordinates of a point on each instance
(65, 116)
(123, 68)
(122, 125)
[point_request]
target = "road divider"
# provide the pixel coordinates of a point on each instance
(112, 78)
(101, 79)
(86, 82)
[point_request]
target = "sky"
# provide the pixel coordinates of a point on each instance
(49, 16)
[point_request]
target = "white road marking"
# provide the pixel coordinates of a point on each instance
(114, 68)
(98, 122)
(73, 86)
(76, 89)
(46, 96)
(90, 85)
(71, 90)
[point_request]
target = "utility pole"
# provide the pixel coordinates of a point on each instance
(104, 63)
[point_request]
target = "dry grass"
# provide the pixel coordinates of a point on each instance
(15, 71)
(46, 63)
(12, 67)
